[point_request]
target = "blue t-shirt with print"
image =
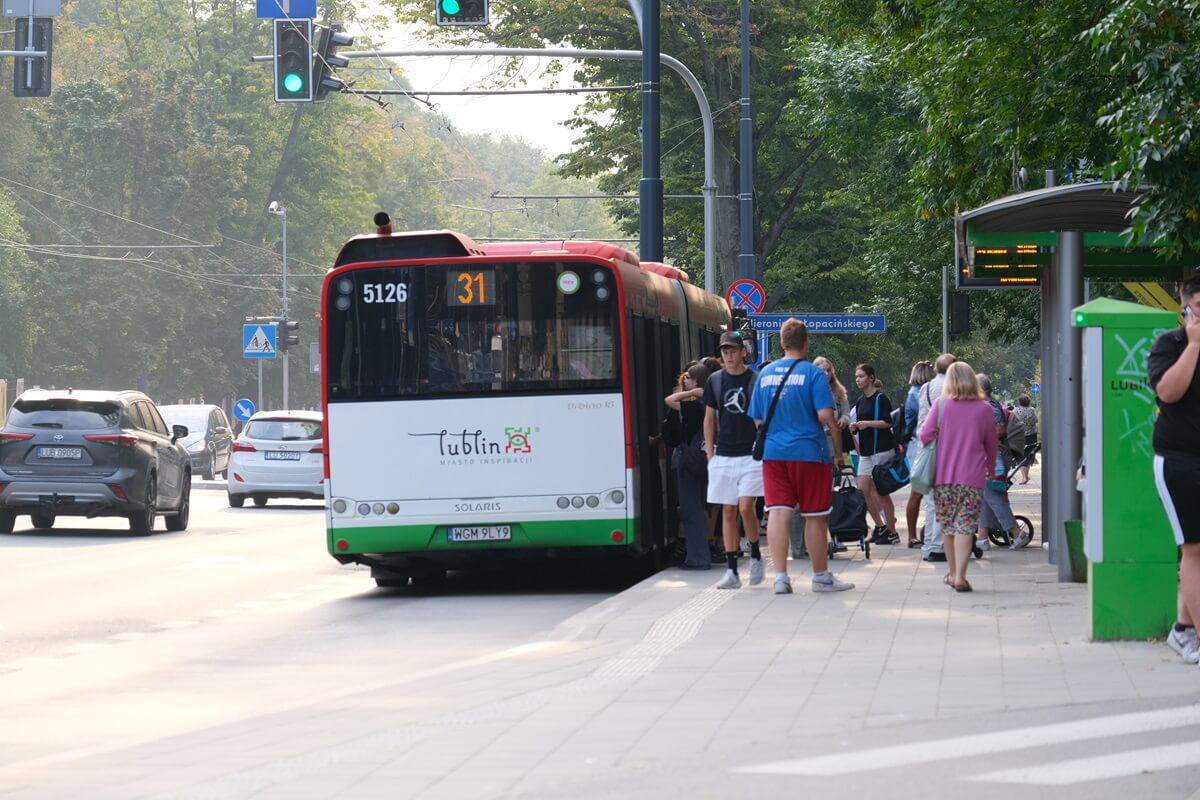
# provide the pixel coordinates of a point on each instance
(795, 433)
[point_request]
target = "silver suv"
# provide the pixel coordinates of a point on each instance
(92, 454)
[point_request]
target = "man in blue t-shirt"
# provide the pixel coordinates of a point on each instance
(796, 458)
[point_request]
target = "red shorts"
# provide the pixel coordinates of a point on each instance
(804, 485)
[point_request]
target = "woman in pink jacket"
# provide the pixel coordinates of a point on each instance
(962, 423)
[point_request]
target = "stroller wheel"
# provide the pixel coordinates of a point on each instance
(999, 537)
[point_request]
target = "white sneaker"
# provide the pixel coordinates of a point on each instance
(730, 581)
(1023, 539)
(826, 582)
(756, 571)
(984, 544)
(745, 546)
(783, 584)
(1186, 644)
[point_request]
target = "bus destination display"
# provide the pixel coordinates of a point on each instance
(474, 287)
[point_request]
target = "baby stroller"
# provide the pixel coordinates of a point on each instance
(1001, 537)
(848, 519)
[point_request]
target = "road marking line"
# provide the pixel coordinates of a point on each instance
(984, 743)
(1112, 765)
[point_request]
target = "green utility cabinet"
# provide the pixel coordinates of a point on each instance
(1131, 551)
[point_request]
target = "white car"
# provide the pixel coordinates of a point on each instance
(278, 454)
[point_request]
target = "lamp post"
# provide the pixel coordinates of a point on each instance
(280, 210)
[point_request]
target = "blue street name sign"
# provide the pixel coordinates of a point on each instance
(243, 409)
(258, 341)
(822, 323)
(286, 9)
(1035, 388)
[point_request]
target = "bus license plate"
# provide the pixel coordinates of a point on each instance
(282, 455)
(60, 452)
(485, 533)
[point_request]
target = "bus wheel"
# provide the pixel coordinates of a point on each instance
(429, 581)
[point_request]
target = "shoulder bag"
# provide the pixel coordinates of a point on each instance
(925, 465)
(760, 439)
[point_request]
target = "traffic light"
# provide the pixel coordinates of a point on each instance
(328, 61)
(31, 76)
(288, 334)
(461, 12)
(293, 61)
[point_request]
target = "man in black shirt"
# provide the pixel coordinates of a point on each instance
(734, 477)
(1171, 369)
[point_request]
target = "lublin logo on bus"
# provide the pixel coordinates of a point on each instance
(459, 446)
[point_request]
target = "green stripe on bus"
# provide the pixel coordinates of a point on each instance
(417, 538)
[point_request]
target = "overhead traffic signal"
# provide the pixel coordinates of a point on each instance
(462, 12)
(31, 76)
(288, 334)
(328, 61)
(293, 61)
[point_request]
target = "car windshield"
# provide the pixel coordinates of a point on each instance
(196, 419)
(283, 430)
(64, 414)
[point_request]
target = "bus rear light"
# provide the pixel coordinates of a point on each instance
(364, 509)
(340, 506)
(9, 436)
(343, 545)
(393, 508)
(592, 501)
(617, 496)
(617, 536)
(563, 502)
(242, 447)
(118, 492)
(377, 508)
(119, 439)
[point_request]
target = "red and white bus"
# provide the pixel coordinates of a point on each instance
(490, 401)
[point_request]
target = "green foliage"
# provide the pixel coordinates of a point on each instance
(1149, 47)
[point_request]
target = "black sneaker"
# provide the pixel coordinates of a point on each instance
(935, 556)
(893, 537)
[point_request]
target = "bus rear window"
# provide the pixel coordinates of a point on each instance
(471, 328)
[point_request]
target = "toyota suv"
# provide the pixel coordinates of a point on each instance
(92, 454)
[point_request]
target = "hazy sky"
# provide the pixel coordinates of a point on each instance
(534, 118)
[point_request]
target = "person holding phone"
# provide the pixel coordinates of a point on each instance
(1171, 371)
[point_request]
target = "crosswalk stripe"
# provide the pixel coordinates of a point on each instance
(1113, 765)
(984, 743)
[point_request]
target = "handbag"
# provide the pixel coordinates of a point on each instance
(893, 475)
(694, 460)
(760, 438)
(925, 466)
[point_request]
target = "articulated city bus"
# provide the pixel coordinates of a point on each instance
(489, 402)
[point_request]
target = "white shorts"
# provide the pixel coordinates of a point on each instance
(868, 463)
(731, 477)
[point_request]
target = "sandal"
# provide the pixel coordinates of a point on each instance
(914, 543)
(946, 580)
(963, 587)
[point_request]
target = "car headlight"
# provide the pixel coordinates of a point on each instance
(196, 447)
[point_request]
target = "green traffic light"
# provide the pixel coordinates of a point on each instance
(293, 82)
(451, 6)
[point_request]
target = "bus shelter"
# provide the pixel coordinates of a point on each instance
(1053, 239)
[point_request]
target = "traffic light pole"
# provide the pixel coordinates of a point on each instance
(286, 359)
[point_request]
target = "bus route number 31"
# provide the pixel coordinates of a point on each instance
(385, 292)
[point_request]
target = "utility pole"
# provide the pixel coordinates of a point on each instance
(747, 264)
(650, 202)
(280, 211)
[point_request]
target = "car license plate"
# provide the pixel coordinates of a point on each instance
(59, 452)
(281, 455)
(484, 533)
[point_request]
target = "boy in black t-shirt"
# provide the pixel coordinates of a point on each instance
(1171, 370)
(734, 477)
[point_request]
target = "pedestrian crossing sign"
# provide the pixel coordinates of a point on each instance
(258, 341)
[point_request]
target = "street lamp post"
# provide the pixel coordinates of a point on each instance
(280, 210)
